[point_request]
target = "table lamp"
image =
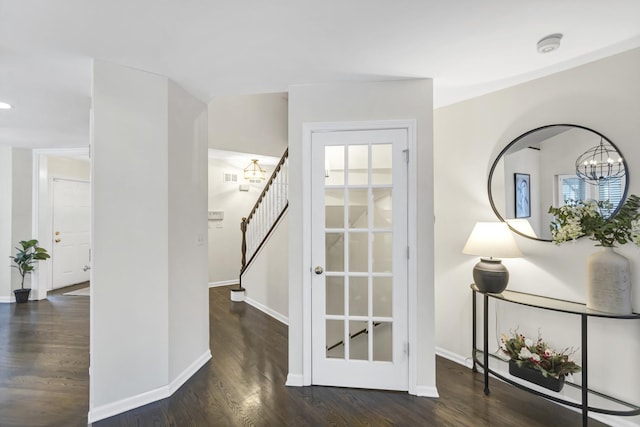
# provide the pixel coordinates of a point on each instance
(491, 240)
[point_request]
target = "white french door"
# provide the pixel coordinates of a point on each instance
(71, 231)
(359, 258)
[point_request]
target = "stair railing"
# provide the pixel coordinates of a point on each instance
(266, 213)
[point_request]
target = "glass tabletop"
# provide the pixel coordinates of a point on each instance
(553, 304)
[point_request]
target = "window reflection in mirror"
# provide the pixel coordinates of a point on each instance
(548, 155)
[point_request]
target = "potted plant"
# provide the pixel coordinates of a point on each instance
(25, 260)
(536, 362)
(608, 272)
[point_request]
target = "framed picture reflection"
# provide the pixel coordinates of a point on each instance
(522, 195)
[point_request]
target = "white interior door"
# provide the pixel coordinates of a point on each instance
(71, 229)
(359, 258)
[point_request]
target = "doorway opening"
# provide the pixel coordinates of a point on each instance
(62, 218)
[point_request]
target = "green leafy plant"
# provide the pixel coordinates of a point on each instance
(538, 355)
(27, 257)
(583, 218)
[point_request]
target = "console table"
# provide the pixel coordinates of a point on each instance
(621, 408)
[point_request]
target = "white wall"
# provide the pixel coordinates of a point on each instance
(130, 241)
(249, 123)
(6, 246)
(21, 206)
(362, 102)
(266, 280)
(225, 238)
(605, 96)
(149, 192)
(188, 290)
(69, 168)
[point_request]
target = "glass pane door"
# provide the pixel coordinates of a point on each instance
(358, 220)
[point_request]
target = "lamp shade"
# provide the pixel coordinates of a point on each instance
(492, 239)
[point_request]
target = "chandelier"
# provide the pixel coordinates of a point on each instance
(599, 164)
(254, 171)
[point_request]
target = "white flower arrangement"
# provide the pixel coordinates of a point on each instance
(583, 218)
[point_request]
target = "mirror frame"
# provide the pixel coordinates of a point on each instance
(516, 140)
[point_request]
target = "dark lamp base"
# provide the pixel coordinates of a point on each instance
(490, 276)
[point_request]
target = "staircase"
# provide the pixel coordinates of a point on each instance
(265, 215)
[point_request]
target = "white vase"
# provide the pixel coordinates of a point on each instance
(608, 282)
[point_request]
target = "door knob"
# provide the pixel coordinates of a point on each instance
(86, 267)
(319, 270)
(58, 240)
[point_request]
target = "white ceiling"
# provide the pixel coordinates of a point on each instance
(242, 160)
(215, 47)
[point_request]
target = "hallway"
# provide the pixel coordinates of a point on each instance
(44, 381)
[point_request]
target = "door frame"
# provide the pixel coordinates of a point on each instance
(41, 214)
(308, 129)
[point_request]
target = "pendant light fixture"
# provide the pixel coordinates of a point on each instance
(599, 164)
(254, 171)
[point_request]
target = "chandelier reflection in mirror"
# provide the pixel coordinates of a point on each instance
(600, 164)
(254, 171)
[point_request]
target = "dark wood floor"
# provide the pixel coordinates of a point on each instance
(44, 381)
(44, 362)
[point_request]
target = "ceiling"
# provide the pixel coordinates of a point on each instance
(214, 47)
(242, 160)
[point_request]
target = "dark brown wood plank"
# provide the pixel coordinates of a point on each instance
(44, 381)
(44, 362)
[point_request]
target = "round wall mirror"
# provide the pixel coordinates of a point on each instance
(549, 166)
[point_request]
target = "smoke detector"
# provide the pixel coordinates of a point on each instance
(549, 43)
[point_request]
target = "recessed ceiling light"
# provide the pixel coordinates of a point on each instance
(4, 106)
(549, 43)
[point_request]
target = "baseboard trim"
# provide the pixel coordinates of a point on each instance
(263, 308)
(129, 403)
(294, 380)
(124, 405)
(189, 372)
(427, 391)
(454, 357)
(7, 300)
(610, 420)
(223, 283)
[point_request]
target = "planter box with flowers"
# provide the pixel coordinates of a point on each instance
(536, 362)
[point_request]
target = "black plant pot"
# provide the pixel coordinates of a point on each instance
(535, 376)
(22, 295)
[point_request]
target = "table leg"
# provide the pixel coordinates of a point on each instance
(474, 341)
(585, 376)
(485, 320)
